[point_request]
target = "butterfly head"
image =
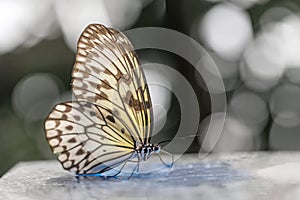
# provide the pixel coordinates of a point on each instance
(156, 148)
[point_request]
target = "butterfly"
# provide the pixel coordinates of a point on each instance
(110, 123)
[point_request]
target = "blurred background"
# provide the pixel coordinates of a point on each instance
(255, 45)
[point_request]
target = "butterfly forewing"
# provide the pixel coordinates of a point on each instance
(107, 73)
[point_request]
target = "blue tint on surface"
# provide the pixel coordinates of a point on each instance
(185, 175)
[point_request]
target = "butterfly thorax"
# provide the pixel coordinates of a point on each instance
(144, 152)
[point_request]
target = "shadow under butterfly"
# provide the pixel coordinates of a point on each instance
(188, 174)
(108, 127)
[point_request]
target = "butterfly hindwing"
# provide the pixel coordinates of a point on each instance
(86, 139)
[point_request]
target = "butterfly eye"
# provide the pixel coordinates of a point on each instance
(156, 149)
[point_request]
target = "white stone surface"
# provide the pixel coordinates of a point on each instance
(236, 176)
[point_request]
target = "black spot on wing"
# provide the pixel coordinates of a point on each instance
(80, 152)
(92, 114)
(111, 118)
(72, 140)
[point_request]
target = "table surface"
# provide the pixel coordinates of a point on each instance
(235, 176)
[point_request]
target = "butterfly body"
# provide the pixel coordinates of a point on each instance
(144, 152)
(110, 121)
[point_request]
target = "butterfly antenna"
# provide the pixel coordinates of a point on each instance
(181, 138)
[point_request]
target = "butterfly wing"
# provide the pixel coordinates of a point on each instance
(113, 113)
(107, 73)
(81, 134)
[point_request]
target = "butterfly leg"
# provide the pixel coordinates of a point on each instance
(77, 179)
(136, 168)
(120, 169)
(167, 165)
